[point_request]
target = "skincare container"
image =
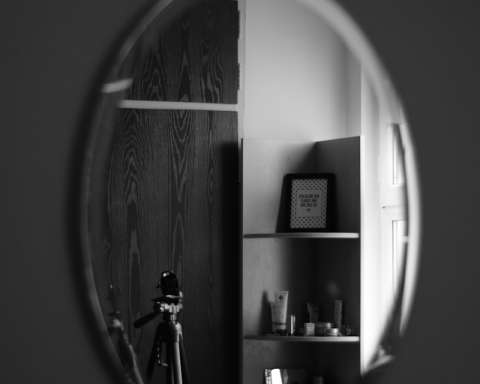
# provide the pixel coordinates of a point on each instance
(321, 328)
(291, 325)
(333, 332)
(279, 312)
(309, 329)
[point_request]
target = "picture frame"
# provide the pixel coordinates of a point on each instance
(309, 197)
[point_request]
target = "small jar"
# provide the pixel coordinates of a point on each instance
(321, 328)
(309, 329)
(333, 332)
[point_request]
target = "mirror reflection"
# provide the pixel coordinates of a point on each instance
(248, 200)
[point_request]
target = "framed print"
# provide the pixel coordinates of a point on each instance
(309, 198)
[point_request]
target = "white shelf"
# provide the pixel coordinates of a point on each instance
(303, 235)
(305, 339)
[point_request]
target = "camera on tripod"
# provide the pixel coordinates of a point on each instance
(168, 335)
(170, 303)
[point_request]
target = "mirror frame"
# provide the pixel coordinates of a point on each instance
(107, 85)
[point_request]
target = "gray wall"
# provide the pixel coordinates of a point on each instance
(50, 55)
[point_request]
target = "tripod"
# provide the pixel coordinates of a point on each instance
(168, 335)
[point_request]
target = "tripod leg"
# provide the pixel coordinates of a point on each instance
(177, 366)
(183, 359)
(155, 355)
(170, 365)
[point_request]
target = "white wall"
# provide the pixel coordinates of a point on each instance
(296, 74)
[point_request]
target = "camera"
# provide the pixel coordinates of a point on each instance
(169, 304)
(170, 289)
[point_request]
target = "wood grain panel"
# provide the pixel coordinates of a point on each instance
(192, 58)
(164, 186)
(172, 204)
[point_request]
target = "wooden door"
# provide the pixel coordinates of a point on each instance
(170, 199)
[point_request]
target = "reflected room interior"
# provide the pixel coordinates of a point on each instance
(247, 215)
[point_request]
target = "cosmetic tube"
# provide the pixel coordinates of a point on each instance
(279, 312)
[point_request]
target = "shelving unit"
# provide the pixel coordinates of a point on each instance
(314, 267)
(303, 235)
(305, 339)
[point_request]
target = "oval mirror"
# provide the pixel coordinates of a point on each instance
(250, 205)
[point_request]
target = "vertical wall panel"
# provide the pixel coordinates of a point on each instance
(192, 58)
(172, 204)
(164, 195)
